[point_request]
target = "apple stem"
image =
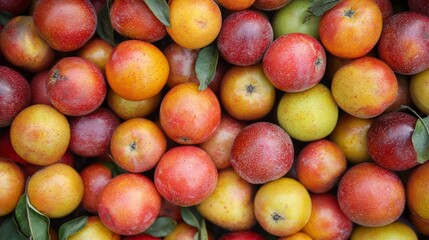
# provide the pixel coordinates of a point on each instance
(415, 113)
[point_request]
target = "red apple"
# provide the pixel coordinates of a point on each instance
(15, 7)
(295, 62)
(371, 195)
(76, 86)
(91, 133)
(389, 141)
(404, 44)
(15, 94)
(262, 152)
(242, 235)
(141, 236)
(270, 5)
(421, 6)
(95, 177)
(244, 37)
(6, 149)
(185, 175)
(386, 8)
(39, 94)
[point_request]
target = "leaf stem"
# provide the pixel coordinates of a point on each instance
(405, 107)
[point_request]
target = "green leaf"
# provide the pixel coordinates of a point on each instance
(191, 216)
(420, 139)
(71, 227)
(160, 9)
(161, 227)
(319, 7)
(32, 223)
(203, 231)
(9, 229)
(5, 17)
(104, 27)
(205, 66)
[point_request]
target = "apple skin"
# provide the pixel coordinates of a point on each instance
(262, 152)
(294, 62)
(182, 64)
(327, 221)
(403, 44)
(386, 8)
(359, 195)
(419, 91)
(15, 94)
(185, 175)
(15, 7)
(141, 236)
(76, 86)
(94, 229)
(6, 149)
(417, 191)
(270, 5)
(244, 37)
(242, 235)
(389, 141)
(91, 133)
(397, 230)
(421, 6)
(39, 94)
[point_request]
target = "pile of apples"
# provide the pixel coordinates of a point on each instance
(203, 119)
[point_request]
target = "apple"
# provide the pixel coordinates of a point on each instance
(297, 236)
(141, 236)
(295, 62)
(244, 37)
(404, 96)
(262, 152)
(12, 182)
(15, 7)
(182, 231)
(319, 165)
(242, 235)
(185, 175)
(420, 225)
(295, 17)
(129, 204)
(246, 93)
(270, 5)
(171, 210)
(15, 94)
(420, 6)
(94, 229)
(219, 145)
(97, 51)
(327, 221)
(39, 94)
(6, 148)
(182, 64)
(282, 206)
(137, 145)
(386, 8)
(359, 195)
(230, 206)
(403, 43)
(389, 141)
(417, 191)
(419, 90)
(91, 133)
(396, 230)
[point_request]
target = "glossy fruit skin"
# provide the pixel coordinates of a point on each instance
(244, 37)
(417, 191)
(135, 20)
(389, 141)
(183, 114)
(270, 5)
(242, 235)
(262, 152)
(182, 64)
(419, 91)
(94, 229)
(359, 195)
(76, 86)
(397, 230)
(347, 23)
(95, 177)
(12, 182)
(39, 93)
(78, 18)
(6, 149)
(15, 94)
(404, 44)
(23, 47)
(97, 51)
(294, 62)
(185, 175)
(129, 204)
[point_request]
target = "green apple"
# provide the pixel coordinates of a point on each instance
(295, 17)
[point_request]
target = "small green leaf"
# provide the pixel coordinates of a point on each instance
(39, 223)
(71, 227)
(9, 229)
(161, 227)
(205, 66)
(104, 27)
(160, 9)
(203, 230)
(191, 216)
(420, 139)
(5, 17)
(319, 7)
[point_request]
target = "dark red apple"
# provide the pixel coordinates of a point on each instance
(389, 141)
(262, 152)
(244, 37)
(39, 93)
(404, 43)
(421, 6)
(386, 8)
(76, 86)
(15, 7)
(6, 149)
(15, 94)
(295, 62)
(141, 236)
(270, 5)
(91, 133)
(242, 235)
(371, 195)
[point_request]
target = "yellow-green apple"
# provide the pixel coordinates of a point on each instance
(364, 87)
(189, 115)
(230, 206)
(396, 230)
(359, 195)
(262, 152)
(185, 175)
(309, 115)
(419, 90)
(282, 207)
(246, 93)
(295, 62)
(15, 94)
(129, 204)
(40, 134)
(137, 145)
(94, 229)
